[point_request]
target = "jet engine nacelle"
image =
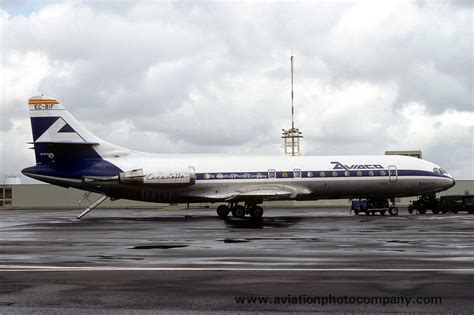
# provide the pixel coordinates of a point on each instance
(166, 179)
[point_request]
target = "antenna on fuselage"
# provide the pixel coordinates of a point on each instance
(291, 137)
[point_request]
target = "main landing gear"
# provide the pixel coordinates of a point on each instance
(239, 211)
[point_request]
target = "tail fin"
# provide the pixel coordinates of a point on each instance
(53, 125)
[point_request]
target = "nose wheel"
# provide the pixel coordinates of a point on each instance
(393, 210)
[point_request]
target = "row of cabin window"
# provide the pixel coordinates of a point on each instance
(346, 173)
(297, 174)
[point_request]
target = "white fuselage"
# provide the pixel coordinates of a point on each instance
(219, 178)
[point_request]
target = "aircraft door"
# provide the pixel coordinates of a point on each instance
(271, 174)
(392, 173)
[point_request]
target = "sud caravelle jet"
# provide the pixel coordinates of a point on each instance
(68, 155)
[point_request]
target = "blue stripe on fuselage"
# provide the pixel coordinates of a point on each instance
(314, 174)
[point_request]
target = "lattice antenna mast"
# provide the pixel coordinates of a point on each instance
(291, 137)
(292, 97)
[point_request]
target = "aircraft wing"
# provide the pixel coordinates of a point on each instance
(258, 191)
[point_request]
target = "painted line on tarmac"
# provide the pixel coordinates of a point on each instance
(11, 268)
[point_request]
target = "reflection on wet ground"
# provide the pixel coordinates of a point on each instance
(311, 252)
(315, 238)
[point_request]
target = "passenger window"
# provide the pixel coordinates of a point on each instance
(271, 173)
(309, 174)
(346, 173)
(382, 173)
(371, 173)
(322, 174)
(334, 174)
(359, 173)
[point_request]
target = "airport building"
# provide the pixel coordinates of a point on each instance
(44, 196)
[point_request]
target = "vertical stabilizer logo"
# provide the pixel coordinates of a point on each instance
(53, 129)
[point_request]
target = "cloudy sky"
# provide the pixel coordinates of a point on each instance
(212, 77)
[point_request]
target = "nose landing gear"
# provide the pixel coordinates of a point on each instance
(393, 210)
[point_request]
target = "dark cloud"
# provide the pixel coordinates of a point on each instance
(214, 77)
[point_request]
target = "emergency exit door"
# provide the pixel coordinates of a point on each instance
(392, 173)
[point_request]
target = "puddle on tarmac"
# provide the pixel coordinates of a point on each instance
(236, 240)
(167, 246)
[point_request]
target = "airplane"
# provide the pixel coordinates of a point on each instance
(68, 155)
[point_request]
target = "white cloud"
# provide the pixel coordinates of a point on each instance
(214, 77)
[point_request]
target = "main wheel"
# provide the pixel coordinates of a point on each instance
(223, 211)
(393, 210)
(256, 212)
(238, 211)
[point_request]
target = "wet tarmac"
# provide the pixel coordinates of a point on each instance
(190, 260)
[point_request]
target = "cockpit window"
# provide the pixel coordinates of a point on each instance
(439, 171)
